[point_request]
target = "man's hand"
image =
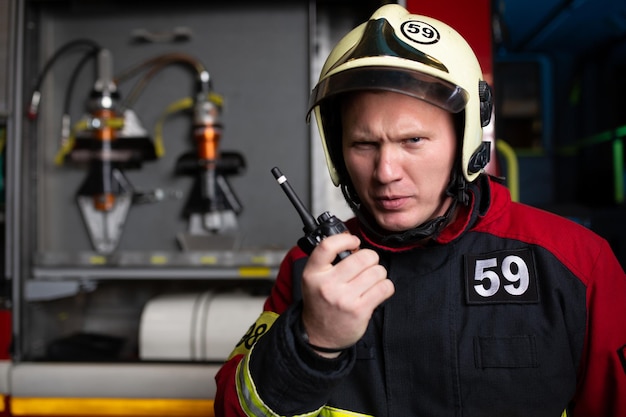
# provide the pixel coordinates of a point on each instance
(338, 300)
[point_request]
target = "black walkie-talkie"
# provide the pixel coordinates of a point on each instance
(314, 230)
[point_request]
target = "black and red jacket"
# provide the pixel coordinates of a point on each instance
(510, 311)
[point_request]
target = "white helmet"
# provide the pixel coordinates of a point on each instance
(413, 55)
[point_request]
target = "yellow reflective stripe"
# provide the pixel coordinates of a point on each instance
(564, 413)
(249, 398)
(335, 412)
(258, 329)
(246, 391)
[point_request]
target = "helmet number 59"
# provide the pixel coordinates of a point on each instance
(420, 32)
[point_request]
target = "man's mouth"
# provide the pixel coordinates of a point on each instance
(390, 202)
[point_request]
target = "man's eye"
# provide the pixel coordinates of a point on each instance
(363, 144)
(414, 140)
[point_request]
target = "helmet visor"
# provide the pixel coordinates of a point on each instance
(422, 86)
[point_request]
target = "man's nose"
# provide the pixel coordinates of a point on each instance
(387, 165)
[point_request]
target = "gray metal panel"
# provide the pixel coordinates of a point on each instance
(5, 386)
(257, 56)
(4, 58)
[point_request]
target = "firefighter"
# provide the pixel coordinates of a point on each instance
(454, 301)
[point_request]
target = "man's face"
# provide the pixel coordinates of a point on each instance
(399, 152)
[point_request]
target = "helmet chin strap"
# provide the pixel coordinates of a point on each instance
(457, 189)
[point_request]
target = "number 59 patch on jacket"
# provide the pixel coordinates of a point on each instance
(506, 276)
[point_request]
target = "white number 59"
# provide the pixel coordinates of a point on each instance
(488, 277)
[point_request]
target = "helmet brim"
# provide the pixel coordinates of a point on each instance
(433, 90)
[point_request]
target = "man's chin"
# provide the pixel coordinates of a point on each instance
(396, 223)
